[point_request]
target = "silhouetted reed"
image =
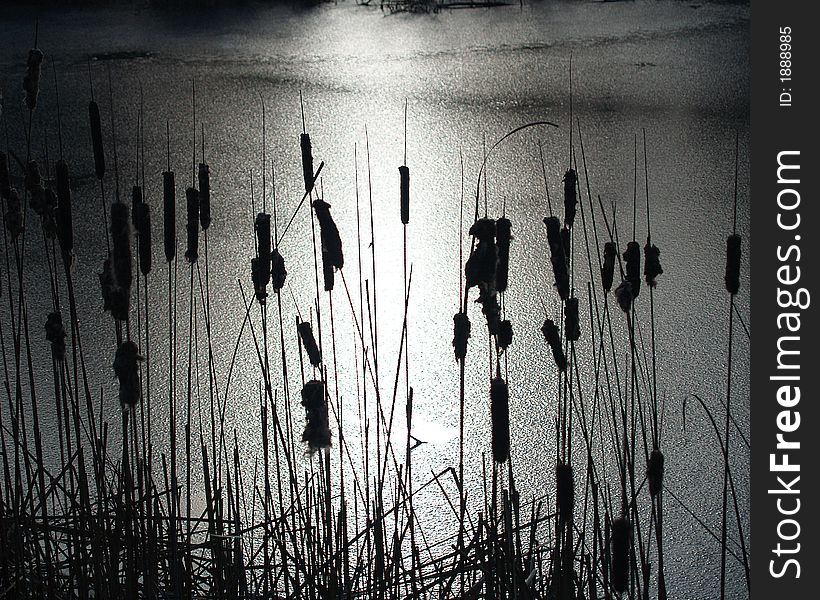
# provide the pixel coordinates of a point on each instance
(500, 418)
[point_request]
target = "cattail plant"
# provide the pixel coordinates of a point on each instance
(204, 178)
(570, 197)
(553, 337)
(328, 275)
(31, 80)
(136, 200)
(621, 548)
(65, 230)
(500, 419)
(491, 309)
(654, 472)
(505, 334)
(623, 294)
(482, 264)
(572, 327)
(632, 258)
(169, 214)
(733, 264)
(116, 300)
(331, 242)
(652, 263)
(34, 186)
(278, 272)
(5, 176)
(404, 192)
(259, 274)
(55, 333)
(192, 226)
(503, 234)
(142, 222)
(307, 161)
(309, 343)
(121, 242)
(261, 264)
(558, 256)
(125, 368)
(48, 208)
(317, 432)
(461, 334)
(565, 491)
(608, 268)
(480, 271)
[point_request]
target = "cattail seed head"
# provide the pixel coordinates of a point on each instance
(5, 176)
(169, 215)
(204, 176)
(558, 256)
(96, 139)
(278, 272)
(65, 229)
(136, 200)
(404, 189)
(307, 161)
(553, 338)
(490, 308)
(733, 264)
(481, 265)
(483, 262)
(505, 334)
(55, 333)
(49, 213)
(14, 214)
(632, 257)
(263, 242)
(116, 300)
(142, 222)
(621, 541)
(572, 327)
(34, 186)
(623, 294)
(570, 197)
(192, 226)
(503, 231)
(500, 414)
(461, 333)
(483, 230)
(654, 472)
(309, 343)
(327, 271)
(121, 245)
(31, 80)
(651, 264)
(608, 269)
(125, 368)
(317, 426)
(331, 241)
(565, 491)
(260, 274)
(261, 265)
